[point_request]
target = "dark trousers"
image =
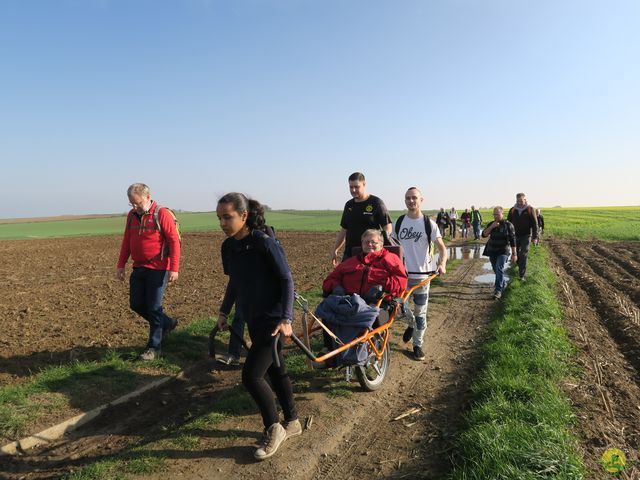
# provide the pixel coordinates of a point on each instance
(259, 363)
(476, 230)
(522, 249)
(146, 289)
(235, 344)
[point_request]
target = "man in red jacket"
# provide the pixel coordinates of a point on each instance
(151, 239)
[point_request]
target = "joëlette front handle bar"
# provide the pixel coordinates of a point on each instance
(297, 341)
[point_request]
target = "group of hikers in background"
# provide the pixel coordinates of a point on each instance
(260, 286)
(449, 222)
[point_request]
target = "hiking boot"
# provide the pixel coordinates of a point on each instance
(497, 295)
(293, 428)
(275, 435)
(170, 329)
(418, 354)
(230, 360)
(407, 335)
(149, 355)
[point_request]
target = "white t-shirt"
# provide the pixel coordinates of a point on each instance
(413, 239)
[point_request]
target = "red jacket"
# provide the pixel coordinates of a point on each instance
(358, 274)
(148, 246)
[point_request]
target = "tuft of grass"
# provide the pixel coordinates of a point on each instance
(115, 374)
(519, 426)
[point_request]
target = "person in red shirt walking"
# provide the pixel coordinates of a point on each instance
(374, 266)
(152, 241)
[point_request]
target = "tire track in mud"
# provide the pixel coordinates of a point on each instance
(605, 395)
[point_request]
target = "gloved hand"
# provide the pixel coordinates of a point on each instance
(374, 294)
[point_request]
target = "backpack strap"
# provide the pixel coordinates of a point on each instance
(398, 225)
(427, 231)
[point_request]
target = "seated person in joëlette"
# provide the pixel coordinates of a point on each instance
(374, 266)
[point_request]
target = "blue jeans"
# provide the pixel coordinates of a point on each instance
(497, 264)
(146, 289)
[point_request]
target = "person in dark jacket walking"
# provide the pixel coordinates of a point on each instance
(476, 222)
(524, 220)
(465, 223)
(362, 212)
(261, 286)
(442, 220)
(502, 241)
(540, 219)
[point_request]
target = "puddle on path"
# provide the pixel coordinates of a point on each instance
(490, 278)
(465, 252)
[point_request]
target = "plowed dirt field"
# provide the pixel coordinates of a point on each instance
(59, 300)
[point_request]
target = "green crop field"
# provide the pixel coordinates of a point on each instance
(609, 223)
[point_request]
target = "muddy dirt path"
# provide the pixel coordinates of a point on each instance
(599, 286)
(349, 437)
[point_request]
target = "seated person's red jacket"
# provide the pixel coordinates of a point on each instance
(359, 273)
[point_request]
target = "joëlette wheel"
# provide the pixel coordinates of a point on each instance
(372, 374)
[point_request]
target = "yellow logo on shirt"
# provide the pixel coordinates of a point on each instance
(369, 208)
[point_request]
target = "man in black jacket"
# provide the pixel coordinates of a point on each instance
(523, 217)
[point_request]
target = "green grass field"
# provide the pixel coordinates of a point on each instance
(520, 423)
(607, 223)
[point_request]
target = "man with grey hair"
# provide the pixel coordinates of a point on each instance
(152, 241)
(524, 220)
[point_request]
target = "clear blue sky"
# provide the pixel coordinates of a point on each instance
(471, 100)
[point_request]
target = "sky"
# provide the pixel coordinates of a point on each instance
(470, 100)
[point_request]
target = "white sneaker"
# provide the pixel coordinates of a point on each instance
(229, 360)
(276, 434)
(293, 428)
(149, 355)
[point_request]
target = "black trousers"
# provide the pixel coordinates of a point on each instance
(260, 363)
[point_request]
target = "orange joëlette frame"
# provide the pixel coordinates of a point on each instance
(367, 335)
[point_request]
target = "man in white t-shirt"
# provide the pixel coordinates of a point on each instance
(411, 230)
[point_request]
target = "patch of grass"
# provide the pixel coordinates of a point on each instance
(184, 442)
(235, 402)
(143, 464)
(103, 470)
(519, 426)
(115, 374)
(340, 389)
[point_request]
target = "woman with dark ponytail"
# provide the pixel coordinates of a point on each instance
(261, 286)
